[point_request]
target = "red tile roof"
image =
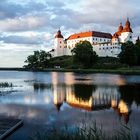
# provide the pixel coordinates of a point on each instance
(89, 34)
(122, 29)
(127, 27)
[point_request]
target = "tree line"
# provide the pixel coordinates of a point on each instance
(83, 56)
(130, 53)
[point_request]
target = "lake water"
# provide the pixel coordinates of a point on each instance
(45, 99)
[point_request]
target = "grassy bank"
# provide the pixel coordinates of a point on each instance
(103, 65)
(116, 71)
(131, 71)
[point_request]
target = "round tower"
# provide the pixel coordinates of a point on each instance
(59, 44)
(126, 34)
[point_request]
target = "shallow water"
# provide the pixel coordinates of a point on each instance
(45, 99)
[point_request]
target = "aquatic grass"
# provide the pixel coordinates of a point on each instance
(84, 132)
(5, 85)
(6, 88)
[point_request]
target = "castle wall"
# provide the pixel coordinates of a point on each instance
(104, 50)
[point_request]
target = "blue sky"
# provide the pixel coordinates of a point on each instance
(28, 25)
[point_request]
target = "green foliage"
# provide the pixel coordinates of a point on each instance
(84, 55)
(39, 59)
(129, 54)
(138, 50)
(62, 61)
(108, 63)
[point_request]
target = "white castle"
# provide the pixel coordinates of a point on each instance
(104, 44)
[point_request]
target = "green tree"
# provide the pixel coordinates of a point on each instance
(128, 54)
(138, 50)
(83, 54)
(40, 59)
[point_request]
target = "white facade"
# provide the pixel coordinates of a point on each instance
(126, 36)
(104, 44)
(107, 50)
(59, 47)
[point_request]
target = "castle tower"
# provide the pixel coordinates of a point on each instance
(59, 44)
(117, 36)
(120, 29)
(126, 34)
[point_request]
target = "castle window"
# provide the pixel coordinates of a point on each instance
(99, 48)
(60, 42)
(60, 46)
(130, 36)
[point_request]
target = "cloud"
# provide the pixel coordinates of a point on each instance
(25, 23)
(32, 24)
(109, 12)
(21, 40)
(12, 10)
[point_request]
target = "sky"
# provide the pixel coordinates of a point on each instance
(29, 25)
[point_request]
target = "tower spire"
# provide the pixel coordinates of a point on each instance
(127, 27)
(120, 27)
(58, 34)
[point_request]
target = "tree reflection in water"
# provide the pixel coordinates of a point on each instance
(130, 94)
(83, 91)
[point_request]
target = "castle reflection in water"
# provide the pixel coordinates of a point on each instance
(93, 93)
(84, 95)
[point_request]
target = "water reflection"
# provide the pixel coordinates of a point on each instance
(130, 93)
(86, 96)
(84, 93)
(72, 95)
